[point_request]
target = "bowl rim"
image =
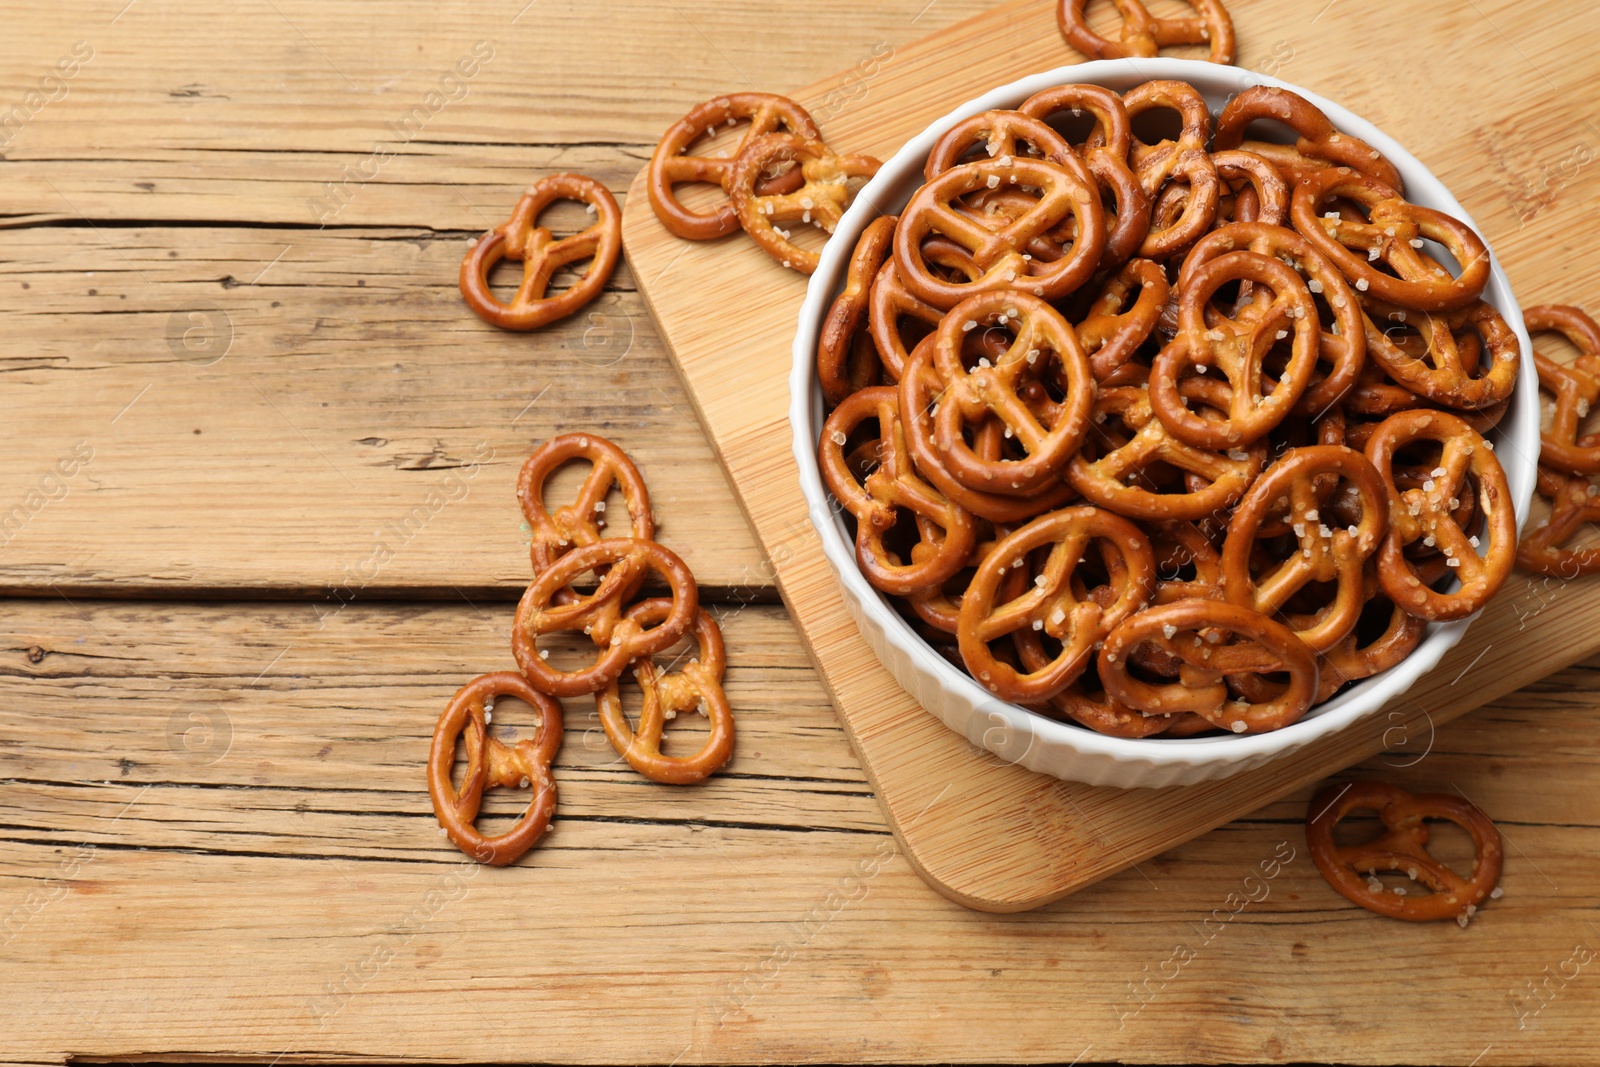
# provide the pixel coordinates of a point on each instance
(1360, 701)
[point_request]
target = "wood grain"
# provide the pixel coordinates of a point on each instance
(210, 918)
(350, 386)
(277, 900)
(164, 179)
(1003, 839)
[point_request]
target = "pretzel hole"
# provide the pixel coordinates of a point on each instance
(1273, 131)
(1074, 129)
(561, 490)
(900, 538)
(1157, 124)
(1439, 252)
(1373, 622)
(1556, 347)
(1406, 338)
(569, 651)
(501, 808)
(1476, 359)
(1150, 663)
(721, 141)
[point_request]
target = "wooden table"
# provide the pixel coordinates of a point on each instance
(227, 276)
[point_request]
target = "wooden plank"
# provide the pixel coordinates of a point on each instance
(290, 900)
(152, 129)
(1004, 839)
(353, 400)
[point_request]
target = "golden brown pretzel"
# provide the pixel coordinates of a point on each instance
(579, 523)
(1113, 130)
(1106, 155)
(1051, 604)
(1351, 660)
(919, 388)
(1116, 479)
(1109, 335)
(1260, 192)
(1403, 849)
(1393, 236)
(1343, 347)
(1143, 34)
(847, 357)
(491, 763)
(1236, 346)
(1576, 386)
(1574, 504)
(999, 255)
(1319, 141)
(1181, 546)
(1322, 554)
(1184, 161)
(1427, 514)
(670, 165)
(695, 686)
(601, 614)
(1447, 371)
(888, 303)
(1191, 631)
(542, 255)
(1001, 133)
(1048, 433)
(946, 535)
(821, 200)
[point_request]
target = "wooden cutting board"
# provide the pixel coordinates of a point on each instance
(985, 833)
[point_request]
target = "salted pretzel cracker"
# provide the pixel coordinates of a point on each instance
(999, 255)
(696, 686)
(920, 386)
(542, 255)
(888, 302)
(1448, 371)
(1115, 478)
(1322, 554)
(1183, 161)
(671, 164)
(821, 200)
(1320, 143)
(945, 531)
(1051, 604)
(1393, 235)
(1143, 34)
(490, 764)
(1002, 134)
(847, 356)
(1047, 433)
(1106, 156)
(1574, 505)
(1085, 702)
(1426, 514)
(1109, 335)
(1342, 347)
(579, 523)
(601, 614)
(1402, 848)
(1236, 347)
(1260, 192)
(1575, 385)
(1192, 632)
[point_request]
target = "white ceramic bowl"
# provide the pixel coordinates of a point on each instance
(1014, 733)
